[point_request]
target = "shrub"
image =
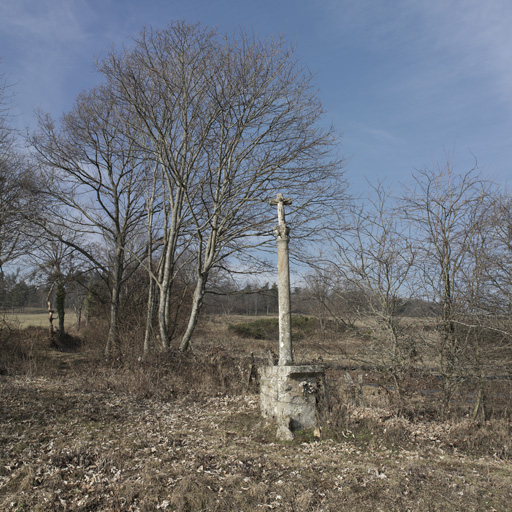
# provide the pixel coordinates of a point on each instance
(18, 347)
(268, 328)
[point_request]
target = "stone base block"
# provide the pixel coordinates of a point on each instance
(289, 394)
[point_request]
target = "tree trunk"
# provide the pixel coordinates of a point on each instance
(162, 317)
(197, 302)
(165, 278)
(88, 302)
(60, 300)
(50, 314)
(78, 315)
(149, 317)
(112, 345)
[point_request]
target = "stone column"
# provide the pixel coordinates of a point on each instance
(288, 393)
(283, 283)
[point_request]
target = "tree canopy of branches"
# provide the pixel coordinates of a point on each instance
(90, 178)
(442, 243)
(17, 204)
(448, 211)
(376, 257)
(212, 126)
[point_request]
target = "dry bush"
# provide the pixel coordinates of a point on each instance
(20, 349)
(94, 336)
(498, 398)
(206, 371)
(334, 410)
(169, 375)
(13, 354)
(209, 371)
(346, 418)
(492, 437)
(66, 342)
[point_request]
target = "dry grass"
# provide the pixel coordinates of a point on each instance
(66, 446)
(184, 433)
(34, 317)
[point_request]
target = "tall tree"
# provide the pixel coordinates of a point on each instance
(376, 256)
(90, 172)
(163, 82)
(18, 204)
(447, 210)
(231, 121)
(488, 281)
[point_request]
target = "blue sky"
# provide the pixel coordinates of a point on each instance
(405, 81)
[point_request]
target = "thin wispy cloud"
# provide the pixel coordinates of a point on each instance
(429, 46)
(31, 21)
(433, 74)
(401, 79)
(52, 45)
(464, 44)
(380, 135)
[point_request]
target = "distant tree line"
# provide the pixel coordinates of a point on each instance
(242, 299)
(16, 293)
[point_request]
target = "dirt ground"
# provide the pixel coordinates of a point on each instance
(70, 443)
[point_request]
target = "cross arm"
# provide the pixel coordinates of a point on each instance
(280, 199)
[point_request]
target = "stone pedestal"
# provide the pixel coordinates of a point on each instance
(289, 394)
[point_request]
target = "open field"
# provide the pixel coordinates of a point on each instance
(69, 446)
(183, 433)
(35, 317)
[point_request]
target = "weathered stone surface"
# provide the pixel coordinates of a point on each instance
(284, 433)
(283, 283)
(288, 394)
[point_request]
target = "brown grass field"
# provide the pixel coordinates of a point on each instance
(35, 317)
(183, 433)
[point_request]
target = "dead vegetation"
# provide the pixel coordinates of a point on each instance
(182, 432)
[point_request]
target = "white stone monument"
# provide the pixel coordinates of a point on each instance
(283, 283)
(288, 392)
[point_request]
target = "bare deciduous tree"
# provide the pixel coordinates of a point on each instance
(54, 263)
(18, 204)
(89, 169)
(487, 280)
(229, 121)
(329, 298)
(447, 211)
(376, 257)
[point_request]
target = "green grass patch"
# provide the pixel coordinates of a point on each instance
(268, 328)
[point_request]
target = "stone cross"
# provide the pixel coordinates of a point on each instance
(283, 283)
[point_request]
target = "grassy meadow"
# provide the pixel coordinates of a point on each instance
(35, 317)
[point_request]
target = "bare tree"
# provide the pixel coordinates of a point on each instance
(54, 263)
(488, 284)
(18, 204)
(18, 207)
(329, 298)
(447, 211)
(7, 133)
(376, 257)
(499, 264)
(163, 82)
(229, 121)
(90, 171)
